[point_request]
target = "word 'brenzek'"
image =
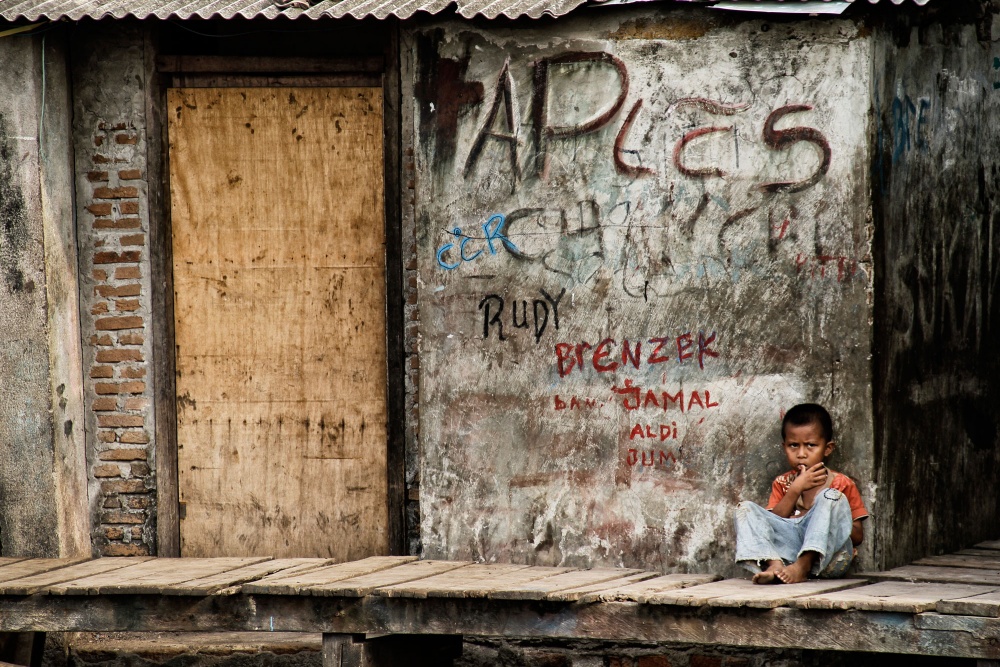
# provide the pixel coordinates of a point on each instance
(604, 359)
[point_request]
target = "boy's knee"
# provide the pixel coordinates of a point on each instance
(833, 495)
(837, 501)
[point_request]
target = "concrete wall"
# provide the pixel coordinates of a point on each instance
(641, 236)
(42, 507)
(938, 308)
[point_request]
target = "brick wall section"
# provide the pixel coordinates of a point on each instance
(119, 395)
(108, 70)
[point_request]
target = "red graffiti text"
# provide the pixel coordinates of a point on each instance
(635, 397)
(648, 432)
(651, 458)
(823, 266)
(605, 357)
(575, 403)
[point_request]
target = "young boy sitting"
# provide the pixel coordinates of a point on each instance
(813, 519)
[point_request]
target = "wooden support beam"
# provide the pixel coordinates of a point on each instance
(21, 649)
(344, 651)
(268, 65)
(821, 630)
(341, 650)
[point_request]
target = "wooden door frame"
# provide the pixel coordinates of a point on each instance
(223, 71)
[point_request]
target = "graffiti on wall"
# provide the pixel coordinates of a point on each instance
(635, 241)
(546, 130)
(492, 307)
(571, 241)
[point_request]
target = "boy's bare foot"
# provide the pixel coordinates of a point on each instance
(798, 571)
(770, 575)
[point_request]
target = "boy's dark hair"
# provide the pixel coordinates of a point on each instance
(809, 413)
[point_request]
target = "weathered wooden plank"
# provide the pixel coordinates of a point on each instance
(956, 560)
(893, 596)
(744, 593)
(381, 583)
(987, 604)
(540, 588)
(229, 581)
(4, 562)
(152, 576)
(989, 544)
(698, 595)
(395, 292)
(470, 581)
(268, 65)
(577, 594)
(993, 553)
(20, 568)
(40, 583)
(640, 591)
(284, 584)
(512, 578)
(930, 574)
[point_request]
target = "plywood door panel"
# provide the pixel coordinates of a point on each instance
(279, 306)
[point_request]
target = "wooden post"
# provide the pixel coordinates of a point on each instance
(22, 648)
(390, 650)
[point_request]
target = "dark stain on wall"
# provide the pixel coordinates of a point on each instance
(13, 224)
(937, 325)
(444, 95)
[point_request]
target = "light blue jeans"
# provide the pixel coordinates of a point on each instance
(825, 529)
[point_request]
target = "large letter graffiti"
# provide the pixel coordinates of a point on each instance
(544, 132)
(503, 93)
(781, 140)
(711, 107)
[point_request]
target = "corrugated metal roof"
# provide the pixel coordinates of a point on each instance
(34, 10)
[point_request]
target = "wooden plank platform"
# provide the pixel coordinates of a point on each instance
(941, 605)
(295, 583)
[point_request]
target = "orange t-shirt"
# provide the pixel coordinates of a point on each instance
(841, 482)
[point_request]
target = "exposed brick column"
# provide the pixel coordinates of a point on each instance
(118, 300)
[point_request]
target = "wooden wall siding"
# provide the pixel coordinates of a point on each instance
(279, 278)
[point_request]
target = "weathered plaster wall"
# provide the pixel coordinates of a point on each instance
(641, 236)
(938, 182)
(40, 513)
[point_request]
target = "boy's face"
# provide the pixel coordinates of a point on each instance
(805, 445)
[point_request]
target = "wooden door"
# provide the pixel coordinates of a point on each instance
(279, 307)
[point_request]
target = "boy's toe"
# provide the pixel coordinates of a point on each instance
(766, 577)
